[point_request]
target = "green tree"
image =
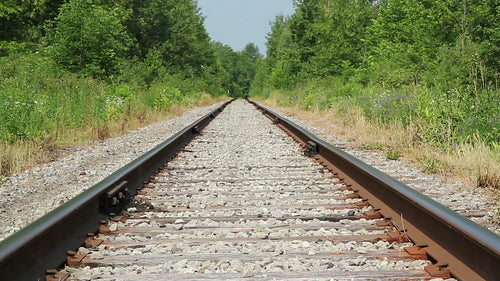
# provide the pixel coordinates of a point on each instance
(340, 29)
(175, 30)
(322, 38)
(483, 26)
(10, 20)
(283, 64)
(225, 56)
(239, 68)
(252, 51)
(25, 21)
(89, 38)
(407, 36)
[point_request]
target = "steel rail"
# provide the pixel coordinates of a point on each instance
(42, 245)
(468, 250)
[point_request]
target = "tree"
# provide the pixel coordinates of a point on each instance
(10, 20)
(174, 28)
(322, 38)
(239, 67)
(483, 19)
(283, 62)
(252, 51)
(89, 38)
(340, 29)
(26, 20)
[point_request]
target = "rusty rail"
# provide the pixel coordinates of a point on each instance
(42, 245)
(465, 249)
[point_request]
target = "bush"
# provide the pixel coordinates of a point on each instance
(444, 117)
(89, 38)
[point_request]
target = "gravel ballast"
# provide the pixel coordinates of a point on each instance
(477, 204)
(30, 195)
(242, 202)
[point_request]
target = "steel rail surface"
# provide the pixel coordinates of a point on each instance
(42, 245)
(468, 250)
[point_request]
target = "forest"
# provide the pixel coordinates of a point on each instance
(73, 72)
(84, 69)
(430, 63)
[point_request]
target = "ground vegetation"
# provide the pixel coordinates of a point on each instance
(429, 68)
(73, 72)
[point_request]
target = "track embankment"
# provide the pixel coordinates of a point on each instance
(241, 201)
(245, 194)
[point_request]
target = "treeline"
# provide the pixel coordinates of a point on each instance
(87, 63)
(101, 38)
(426, 62)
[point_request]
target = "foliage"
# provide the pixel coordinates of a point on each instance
(428, 64)
(49, 100)
(238, 68)
(174, 30)
(76, 71)
(102, 38)
(282, 62)
(52, 101)
(393, 154)
(89, 38)
(25, 21)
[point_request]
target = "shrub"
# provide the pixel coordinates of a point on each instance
(89, 38)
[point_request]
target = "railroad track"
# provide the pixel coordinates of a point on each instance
(241, 201)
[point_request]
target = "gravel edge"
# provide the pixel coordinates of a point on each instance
(29, 195)
(477, 204)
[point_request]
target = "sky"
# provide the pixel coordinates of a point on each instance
(239, 22)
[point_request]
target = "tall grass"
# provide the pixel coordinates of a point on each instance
(442, 130)
(443, 117)
(42, 106)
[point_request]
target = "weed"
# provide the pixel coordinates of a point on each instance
(433, 165)
(393, 154)
(374, 146)
(486, 178)
(42, 105)
(443, 117)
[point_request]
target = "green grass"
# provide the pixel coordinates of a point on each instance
(38, 101)
(393, 154)
(42, 106)
(443, 131)
(444, 117)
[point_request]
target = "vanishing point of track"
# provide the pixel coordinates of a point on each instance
(241, 201)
